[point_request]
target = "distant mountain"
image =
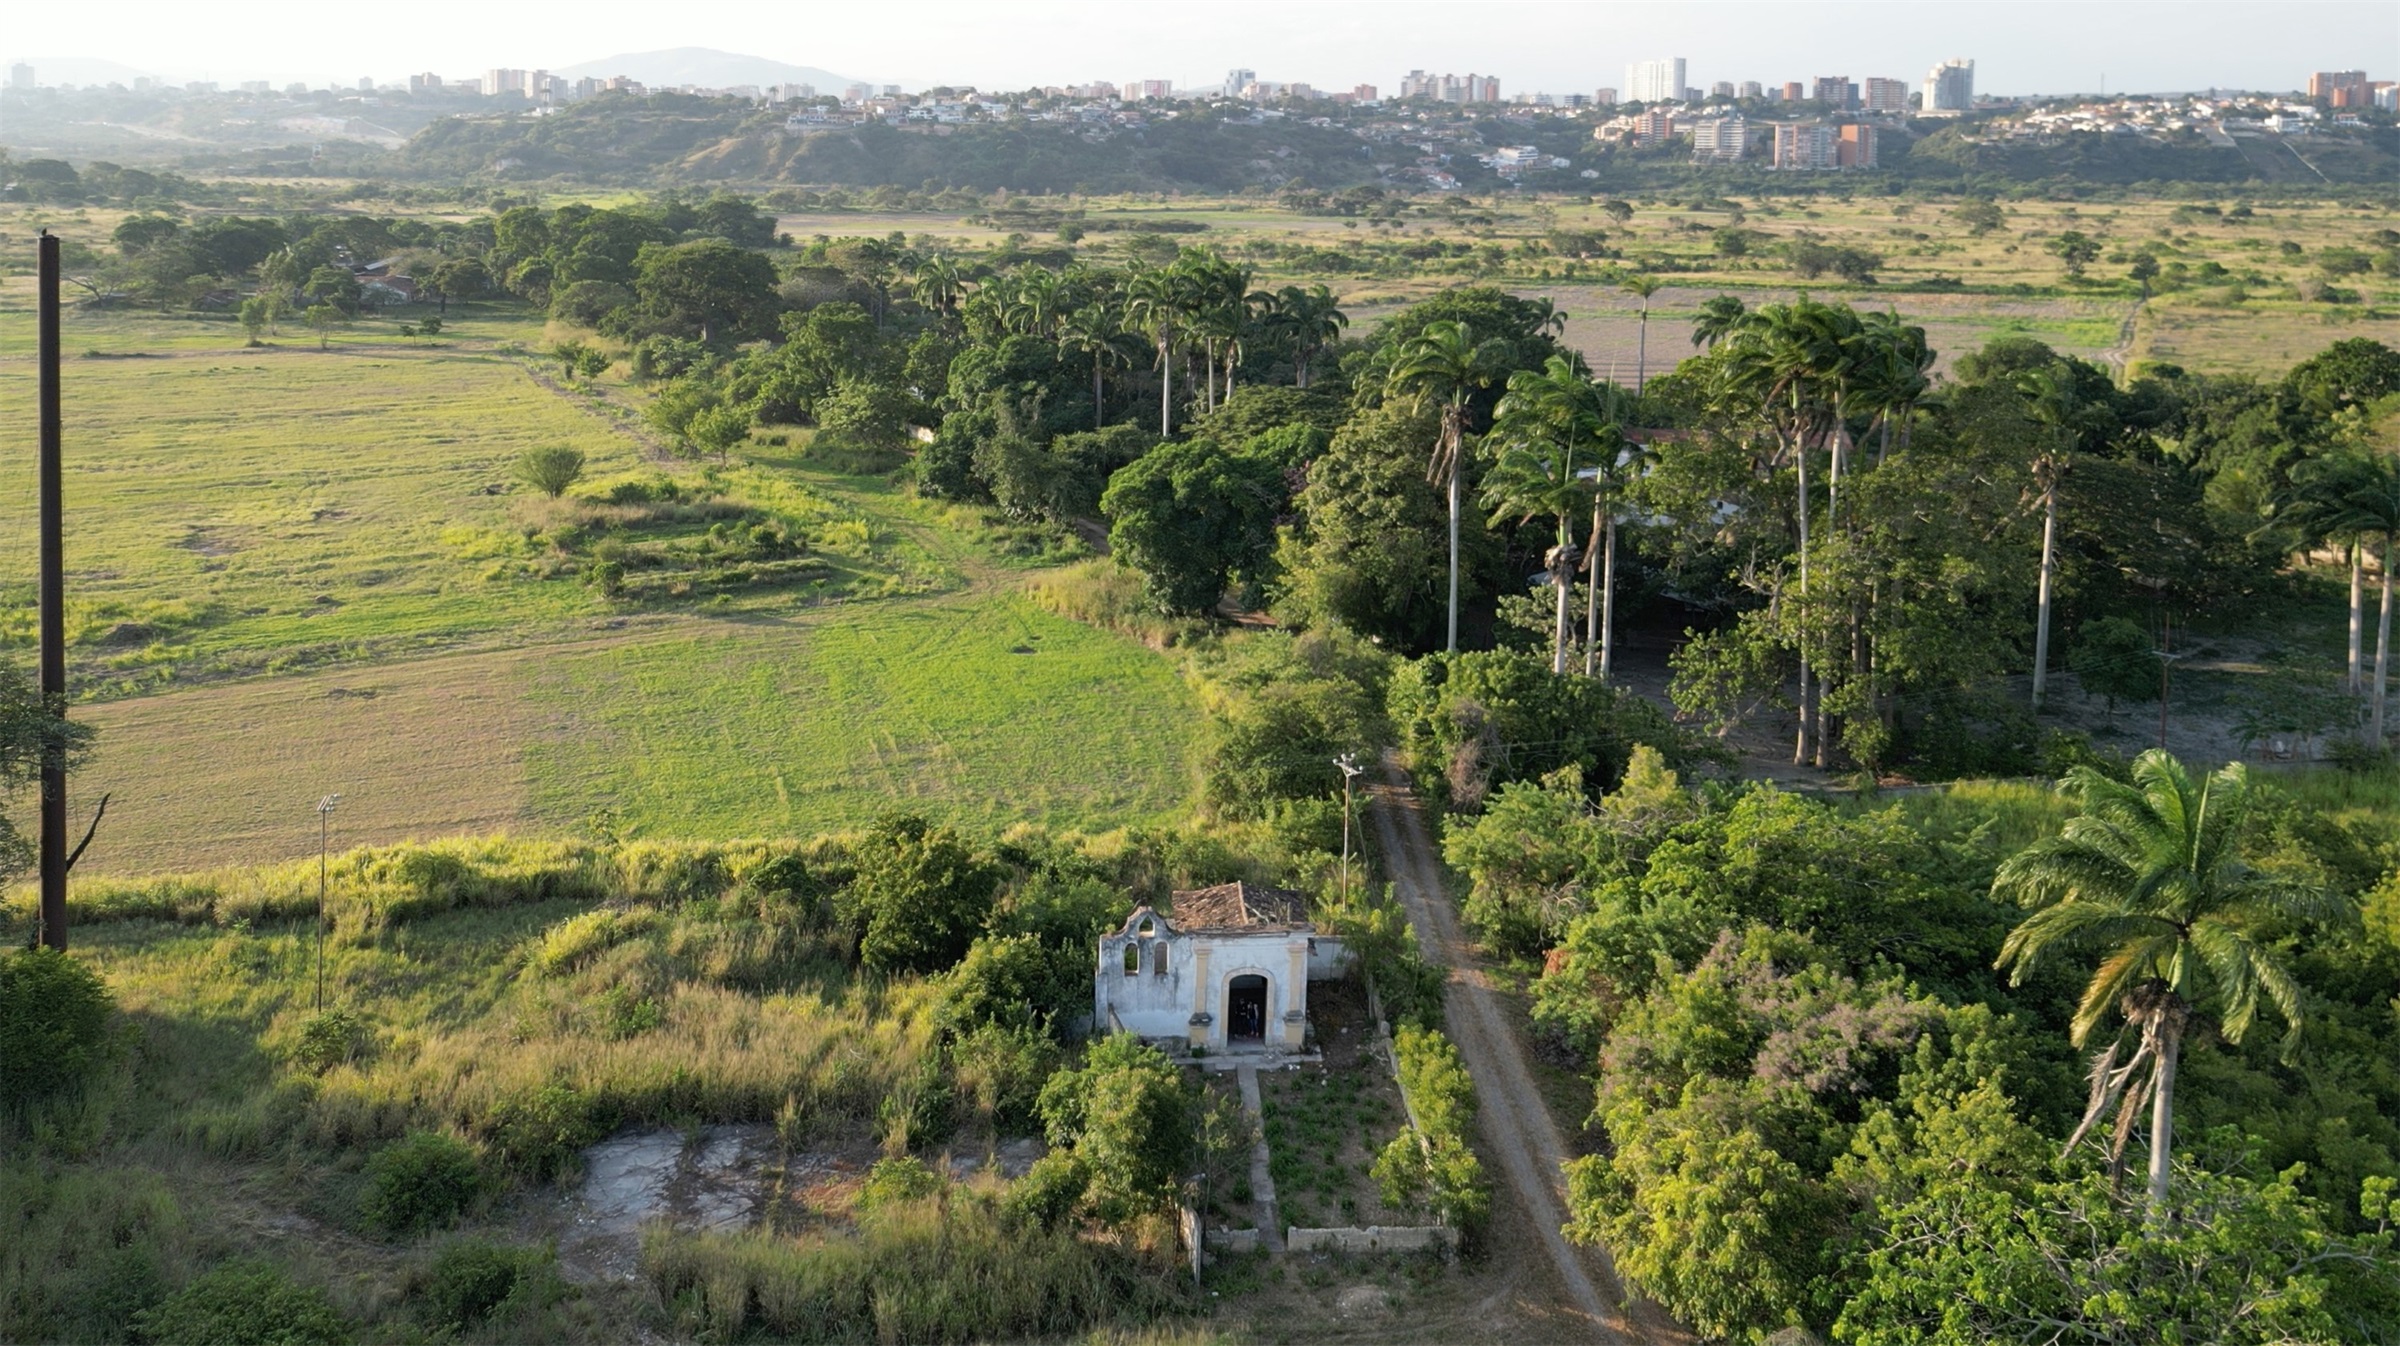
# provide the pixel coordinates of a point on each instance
(707, 69)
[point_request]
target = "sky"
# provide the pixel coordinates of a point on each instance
(1556, 46)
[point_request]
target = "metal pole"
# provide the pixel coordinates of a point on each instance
(324, 825)
(1348, 762)
(52, 597)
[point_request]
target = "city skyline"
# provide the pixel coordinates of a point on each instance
(2125, 46)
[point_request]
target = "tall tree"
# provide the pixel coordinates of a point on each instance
(2372, 506)
(1643, 286)
(1154, 305)
(1309, 320)
(1719, 317)
(2150, 877)
(2050, 399)
(2316, 509)
(1443, 367)
(1545, 419)
(1095, 334)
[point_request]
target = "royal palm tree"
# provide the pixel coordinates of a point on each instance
(1154, 306)
(2370, 506)
(1643, 286)
(2150, 878)
(2050, 401)
(1310, 320)
(1545, 419)
(2317, 508)
(1784, 361)
(1034, 302)
(1894, 371)
(1443, 367)
(1095, 334)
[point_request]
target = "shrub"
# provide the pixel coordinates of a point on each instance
(243, 1304)
(578, 939)
(539, 1133)
(551, 469)
(420, 1182)
(469, 1279)
(893, 1181)
(330, 1039)
(54, 1016)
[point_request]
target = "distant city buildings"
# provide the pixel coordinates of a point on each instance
(1836, 92)
(1653, 126)
(1794, 91)
(1884, 96)
(1752, 89)
(20, 76)
(1856, 147)
(1658, 81)
(1805, 145)
(2340, 88)
(1605, 97)
(1138, 89)
(1237, 80)
(1950, 86)
(1472, 88)
(1719, 139)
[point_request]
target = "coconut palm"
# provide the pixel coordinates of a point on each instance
(1719, 317)
(939, 286)
(1547, 419)
(1443, 367)
(1643, 286)
(2150, 878)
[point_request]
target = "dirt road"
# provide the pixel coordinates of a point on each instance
(1517, 1129)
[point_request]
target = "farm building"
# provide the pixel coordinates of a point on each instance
(1227, 969)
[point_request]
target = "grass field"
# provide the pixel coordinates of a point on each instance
(295, 572)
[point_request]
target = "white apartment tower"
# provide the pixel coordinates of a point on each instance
(1654, 81)
(1719, 140)
(1950, 86)
(1238, 80)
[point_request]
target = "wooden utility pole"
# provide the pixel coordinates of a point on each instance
(53, 609)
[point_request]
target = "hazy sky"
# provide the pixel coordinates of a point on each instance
(2020, 46)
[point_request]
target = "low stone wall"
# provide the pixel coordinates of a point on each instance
(1232, 1240)
(1373, 1239)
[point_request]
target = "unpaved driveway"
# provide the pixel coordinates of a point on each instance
(1517, 1129)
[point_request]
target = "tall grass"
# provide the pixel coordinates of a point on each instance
(1102, 593)
(948, 1269)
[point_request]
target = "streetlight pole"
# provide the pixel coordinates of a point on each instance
(1348, 762)
(325, 809)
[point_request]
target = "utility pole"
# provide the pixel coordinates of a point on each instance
(325, 809)
(52, 597)
(1348, 762)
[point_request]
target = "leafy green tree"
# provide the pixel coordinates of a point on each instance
(919, 896)
(1543, 420)
(1127, 1116)
(254, 313)
(708, 289)
(2150, 876)
(551, 469)
(140, 233)
(54, 1028)
(1189, 516)
(717, 430)
(2142, 271)
(2113, 657)
(323, 318)
(2075, 248)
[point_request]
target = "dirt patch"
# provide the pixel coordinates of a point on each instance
(721, 1178)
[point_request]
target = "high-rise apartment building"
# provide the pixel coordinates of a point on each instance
(1836, 91)
(1805, 145)
(500, 81)
(2340, 88)
(1236, 80)
(1721, 89)
(1884, 95)
(1719, 139)
(1138, 89)
(1793, 92)
(1363, 93)
(1856, 147)
(1950, 86)
(1751, 89)
(1658, 81)
(1605, 97)
(20, 76)
(1653, 126)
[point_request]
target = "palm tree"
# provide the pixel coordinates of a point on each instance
(1308, 319)
(1034, 302)
(1894, 372)
(1545, 418)
(2051, 402)
(1784, 359)
(2370, 505)
(1719, 318)
(1444, 367)
(1154, 305)
(938, 285)
(2316, 508)
(1644, 286)
(1095, 334)
(2150, 876)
